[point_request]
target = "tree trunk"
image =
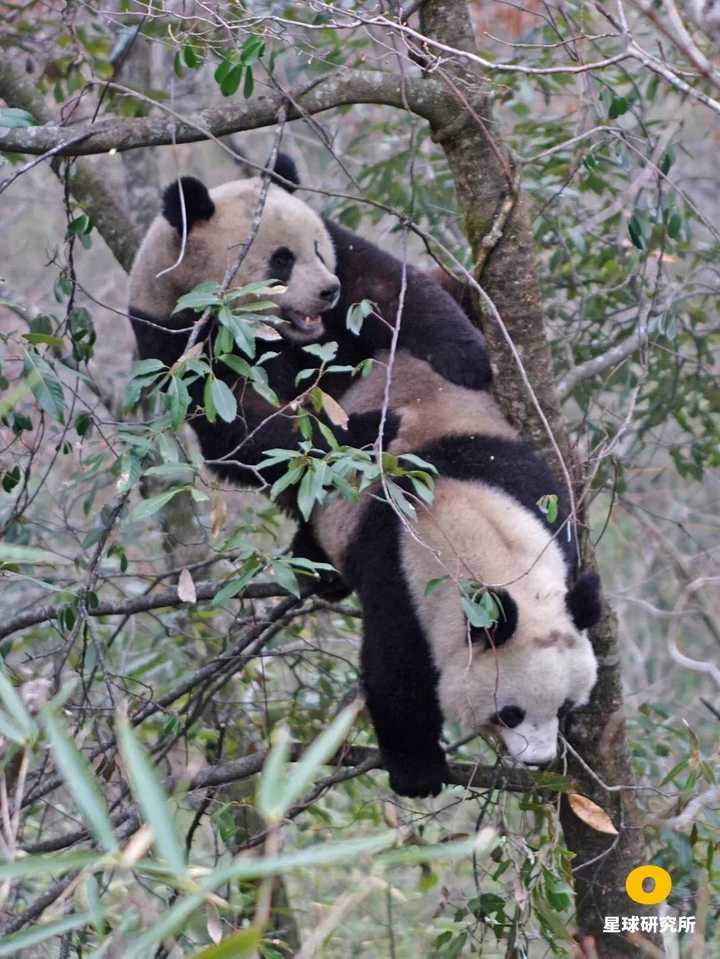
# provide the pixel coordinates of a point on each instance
(507, 271)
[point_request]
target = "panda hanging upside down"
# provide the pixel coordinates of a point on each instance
(421, 661)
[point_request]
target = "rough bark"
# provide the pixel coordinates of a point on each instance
(88, 189)
(484, 179)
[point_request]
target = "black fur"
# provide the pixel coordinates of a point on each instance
(509, 465)
(198, 205)
(510, 716)
(285, 173)
(398, 672)
(399, 677)
(584, 601)
(432, 326)
(281, 264)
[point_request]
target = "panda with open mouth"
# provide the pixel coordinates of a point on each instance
(422, 662)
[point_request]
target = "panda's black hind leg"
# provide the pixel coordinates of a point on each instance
(398, 674)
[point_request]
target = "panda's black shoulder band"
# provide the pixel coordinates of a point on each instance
(198, 205)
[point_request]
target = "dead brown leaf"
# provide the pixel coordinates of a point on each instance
(591, 814)
(186, 587)
(336, 414)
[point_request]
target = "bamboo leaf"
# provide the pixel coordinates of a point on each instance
(80, 780)
(150, 796)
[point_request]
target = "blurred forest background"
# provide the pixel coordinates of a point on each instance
(123, 560)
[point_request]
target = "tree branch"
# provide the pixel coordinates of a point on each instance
(138, 604)
(88, 189)
(359, 759)
(424, 96)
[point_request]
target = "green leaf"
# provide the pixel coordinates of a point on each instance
(306, 494)
(45, 385)
(149, 506)
(287, 479)
(143, 367)
(635, 231)
(34, 338)
(17, 714)
(548, 504)
(249, 84)
(222, 71)
(223, 400)
(476, 615)
(316, 755)
(248, 571)
(271, 787)
(231, 80)
(432, 584)
(480, 844)
(150, 797)
(27, 867)
(285, 577)
(357, 313)
(80, 780)
(10, 553)
(325, 351)
(239, 944)
(191, 57)
(201, 296)
(618, 106)
(12, 117)
(11, 945)
(208, 401)
(674, 226)
(319, 855)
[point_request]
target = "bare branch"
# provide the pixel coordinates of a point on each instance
(138, 604)
(424, 96)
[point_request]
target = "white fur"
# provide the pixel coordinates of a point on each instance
(212, 245)
(429, 408)
(478, 532)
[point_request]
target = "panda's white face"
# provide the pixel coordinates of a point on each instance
(520, 689)
(547, 665)
(291, 245)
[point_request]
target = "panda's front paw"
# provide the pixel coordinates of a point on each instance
(416, 777)
(331, 587)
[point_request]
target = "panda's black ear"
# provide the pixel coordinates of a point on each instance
(504, 627)
(584, 601)
(198, 205)
(285, 170)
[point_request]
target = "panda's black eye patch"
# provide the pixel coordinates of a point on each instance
(281, 264)
(510, 716)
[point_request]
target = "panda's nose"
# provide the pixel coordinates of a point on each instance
(330, 294)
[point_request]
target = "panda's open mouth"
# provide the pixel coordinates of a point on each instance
(303, 325)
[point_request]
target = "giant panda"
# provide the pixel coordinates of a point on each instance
(421, 661)
(325, 269)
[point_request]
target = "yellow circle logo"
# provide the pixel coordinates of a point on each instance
(662, 884)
